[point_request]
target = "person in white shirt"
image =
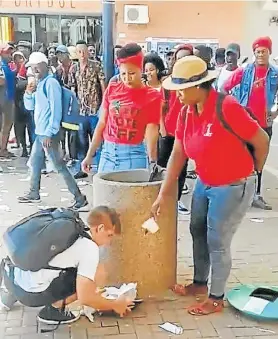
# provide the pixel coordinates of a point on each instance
(54, 289)
(232, 56)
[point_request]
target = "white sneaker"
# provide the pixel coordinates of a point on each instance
(182, 209)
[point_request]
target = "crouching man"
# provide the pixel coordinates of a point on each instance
(54, 288)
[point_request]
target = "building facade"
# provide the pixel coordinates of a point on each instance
(66, 21)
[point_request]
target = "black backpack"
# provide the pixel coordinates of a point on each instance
(219, 112)
(38, 238)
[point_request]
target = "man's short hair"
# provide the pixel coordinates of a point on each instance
(81, 42)
(129, 50)
(98, 214)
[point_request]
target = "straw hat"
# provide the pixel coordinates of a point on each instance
(188, 72)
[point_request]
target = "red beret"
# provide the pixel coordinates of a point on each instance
(182, 47)
(263, 42)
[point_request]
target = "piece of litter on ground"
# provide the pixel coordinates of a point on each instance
(4, 191)
(41, 207)
(64, 190)
(82, 183)
(5, 208)
(266, 331)
(14, 173)
(44, 194)
(12, 168)
(5, 160)
(259, 220)
(63, 199)
(1, 170)
(42, 188)
(172, 328)
(25, 179)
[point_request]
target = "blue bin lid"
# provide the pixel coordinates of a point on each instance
(259, 301)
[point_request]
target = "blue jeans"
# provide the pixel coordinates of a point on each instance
(216, 213)
(121, 157)
(54, 154)
(86, 130)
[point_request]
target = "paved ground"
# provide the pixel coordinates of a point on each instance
(255, 253)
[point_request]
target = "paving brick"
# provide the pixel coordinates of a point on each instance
(226, 333)
(21, 330)
(103, 331)
(29, 318)
(15, 314)
(36, 336)
(108, 322)
(186, 320)
(78, 333)
(63, 332)
(143, 331)
(206, 328)
(248, 332)
(169, 315)
(11, 323)
(126, 326)
(122, 336)
(11, 337)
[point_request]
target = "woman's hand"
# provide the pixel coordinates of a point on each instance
(158, 206)
(86, 165)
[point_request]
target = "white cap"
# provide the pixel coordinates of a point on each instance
(36, 58)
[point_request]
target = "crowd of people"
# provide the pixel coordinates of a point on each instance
(150, 114)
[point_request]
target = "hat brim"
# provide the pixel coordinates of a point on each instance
(169, 85)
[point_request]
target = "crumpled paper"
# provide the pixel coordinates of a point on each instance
(112, 293)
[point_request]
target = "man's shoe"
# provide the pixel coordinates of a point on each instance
(182, 209)
(81, 205)
(259, 202)
(29, 197)
(55, 316)
(24, 154)
(80, 175)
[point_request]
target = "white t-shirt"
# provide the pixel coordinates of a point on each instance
(223, 76)
(83, 254)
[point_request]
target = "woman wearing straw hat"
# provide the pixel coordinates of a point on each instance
(223, 190)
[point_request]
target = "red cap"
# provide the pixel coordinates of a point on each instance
(4, 48)
(263, 42)
(187, 47)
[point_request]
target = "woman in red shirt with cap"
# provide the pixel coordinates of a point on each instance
(224, 190)
(129, 120)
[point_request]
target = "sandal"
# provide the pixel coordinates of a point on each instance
(207, 307)
(191, 175)
(190, 290)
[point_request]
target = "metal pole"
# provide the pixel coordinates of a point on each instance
(108, 19)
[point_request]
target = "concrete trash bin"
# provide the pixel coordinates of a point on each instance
(148, 259)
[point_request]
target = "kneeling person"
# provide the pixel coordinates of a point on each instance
(54, 289)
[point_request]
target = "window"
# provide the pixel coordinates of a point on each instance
(47, 28)
(22, 27)
(73, 29)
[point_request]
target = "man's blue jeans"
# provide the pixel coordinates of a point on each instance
(54, 154)
(86, 130)
(216, 213)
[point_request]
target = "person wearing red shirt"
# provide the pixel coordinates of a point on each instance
(168, 128)
(258, 84)
(224, 190)
(129, 119)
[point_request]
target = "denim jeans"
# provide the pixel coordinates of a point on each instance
(216, 213)
(86, 130)
(121, 157)
(54, 154)
(166, 145)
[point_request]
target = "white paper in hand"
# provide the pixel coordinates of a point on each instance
(150, 225)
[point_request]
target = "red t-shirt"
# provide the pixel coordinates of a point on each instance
(130, 110)
(221, 158)
(171, 117)
(257, 99)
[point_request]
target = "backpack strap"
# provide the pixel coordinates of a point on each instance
(219, 113)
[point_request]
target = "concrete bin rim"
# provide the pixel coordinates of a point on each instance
(101, 178)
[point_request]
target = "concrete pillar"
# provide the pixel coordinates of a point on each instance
(150, 260)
